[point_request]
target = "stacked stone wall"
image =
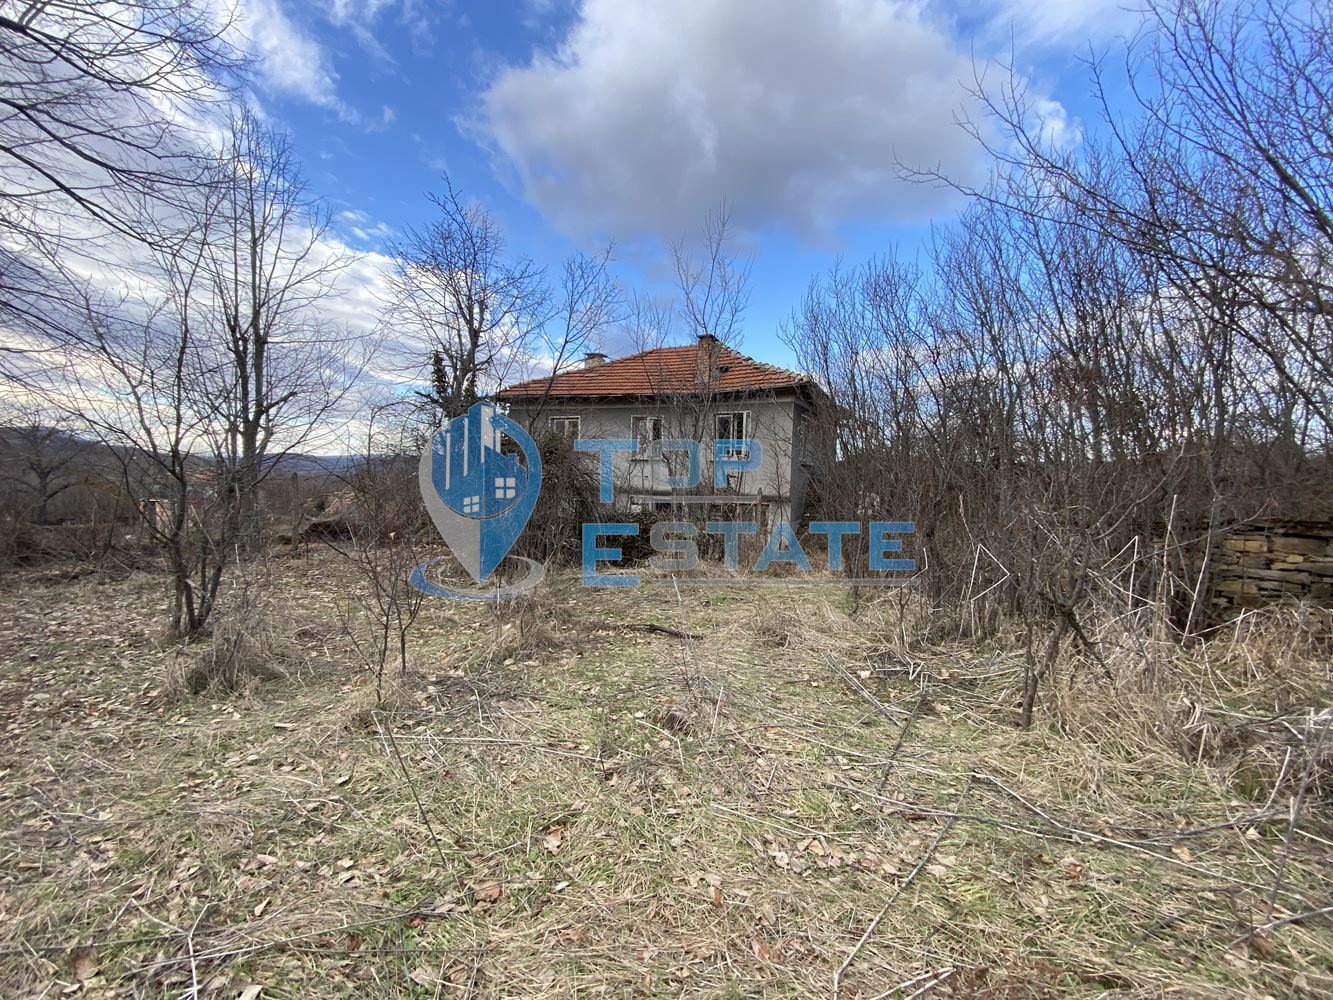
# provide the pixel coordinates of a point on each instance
(1262, 562)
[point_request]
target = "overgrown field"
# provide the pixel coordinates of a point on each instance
(562, 802)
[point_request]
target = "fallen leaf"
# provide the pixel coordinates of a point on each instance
(487, 892)
(423, 977)
(83, 963)
(250, 993)
(764, 951)
(552, 839)
(1260, 946)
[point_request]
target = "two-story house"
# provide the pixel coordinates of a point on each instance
(702, 392)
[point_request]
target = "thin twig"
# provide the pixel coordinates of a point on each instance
(920, 867)
(411, 787)
(189, 945)
(1294, 918)
(1307, 780)
(675, 633)
(902, 736)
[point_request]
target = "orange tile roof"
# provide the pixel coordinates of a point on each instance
(662, 371)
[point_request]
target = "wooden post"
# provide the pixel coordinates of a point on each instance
(296, 514)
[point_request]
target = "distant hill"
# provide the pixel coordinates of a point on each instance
(16, 443)
(313, 465)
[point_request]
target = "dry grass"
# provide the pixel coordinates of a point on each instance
(246, 646)
(560, 803)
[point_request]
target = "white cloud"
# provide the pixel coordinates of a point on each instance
(357, 11)
(361, 226)
(361, 17)
(1060, 22)
(289, 59)
(1056, 129)
(652, 112)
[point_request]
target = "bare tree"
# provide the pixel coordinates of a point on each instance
(143, 386)
(1121, 347)
(215, 366)
(1223, 180)
(48, 458)
(587, 302)
(714, 281)
(457, 293)
(1028, 404)
(268, 262)
(99, 100)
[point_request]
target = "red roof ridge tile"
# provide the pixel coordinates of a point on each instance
(676, 372)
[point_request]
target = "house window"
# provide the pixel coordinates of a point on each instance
(647, 434)
(506, 487)
(564, 426)
(732, 426)
(472, 505)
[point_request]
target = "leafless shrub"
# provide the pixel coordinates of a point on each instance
(1117, 351)
(245, 648)
(379, 536)
(568, 499)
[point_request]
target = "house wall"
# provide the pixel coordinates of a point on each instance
(806, 444)
(774, 421)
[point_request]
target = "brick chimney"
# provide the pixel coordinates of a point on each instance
(706, 369)
(594, 359)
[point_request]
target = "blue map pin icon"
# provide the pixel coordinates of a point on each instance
(479, 496)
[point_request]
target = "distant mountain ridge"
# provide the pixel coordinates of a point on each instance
(15, 441)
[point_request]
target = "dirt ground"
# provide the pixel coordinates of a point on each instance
(562, 802)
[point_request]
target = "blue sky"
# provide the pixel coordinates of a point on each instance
(581, 122)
